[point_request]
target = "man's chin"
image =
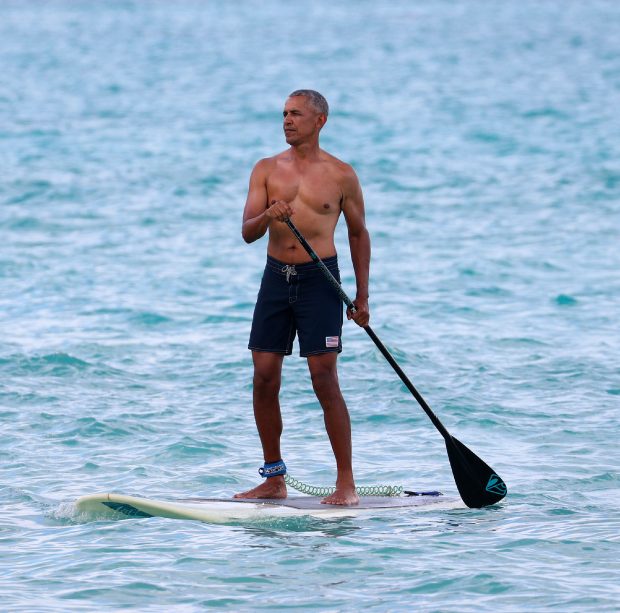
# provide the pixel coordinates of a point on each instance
(292, 138)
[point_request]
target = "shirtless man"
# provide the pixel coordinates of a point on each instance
(312, 187)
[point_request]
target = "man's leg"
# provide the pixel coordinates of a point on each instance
(267, 377)
(337, 423)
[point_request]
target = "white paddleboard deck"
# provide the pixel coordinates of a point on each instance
(221, 510)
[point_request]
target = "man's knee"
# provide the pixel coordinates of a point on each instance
(266, 381)
(323, 373)
(267, 373)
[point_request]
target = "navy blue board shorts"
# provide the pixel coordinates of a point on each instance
(297, 299)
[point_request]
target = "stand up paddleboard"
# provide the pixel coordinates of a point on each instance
(222, 510)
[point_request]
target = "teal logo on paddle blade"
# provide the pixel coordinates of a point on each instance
(496, 486)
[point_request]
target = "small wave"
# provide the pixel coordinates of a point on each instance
(67, 513)
(565, 300)
(545, 112)
(55, 364)
(148, 318)
(189, 447)
(87, 427)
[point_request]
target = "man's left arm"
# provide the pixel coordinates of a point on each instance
(359, 243)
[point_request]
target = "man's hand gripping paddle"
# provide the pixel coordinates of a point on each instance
(478, 484)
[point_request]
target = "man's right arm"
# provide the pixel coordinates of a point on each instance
(258, 213)
(255, 222)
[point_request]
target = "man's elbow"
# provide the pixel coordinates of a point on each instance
(360, 233)
(249, 234)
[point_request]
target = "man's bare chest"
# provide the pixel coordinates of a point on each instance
(315, 189)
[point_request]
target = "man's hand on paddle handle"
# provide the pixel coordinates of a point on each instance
(362, 313)
(280, 210)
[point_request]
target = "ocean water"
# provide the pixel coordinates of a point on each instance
(487, 140)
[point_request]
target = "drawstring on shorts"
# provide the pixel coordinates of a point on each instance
(289, 269)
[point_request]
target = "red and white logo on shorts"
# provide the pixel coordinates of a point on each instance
(331, 341)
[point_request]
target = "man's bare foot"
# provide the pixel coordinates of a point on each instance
(274, 487)
(346, 496)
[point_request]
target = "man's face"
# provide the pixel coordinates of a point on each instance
(300, 120)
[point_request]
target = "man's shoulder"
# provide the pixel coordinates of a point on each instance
(269, 163)
(265, 163)
(344, 170)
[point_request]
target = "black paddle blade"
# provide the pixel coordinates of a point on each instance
(478, 484)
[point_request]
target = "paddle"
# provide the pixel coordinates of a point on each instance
(477, 483)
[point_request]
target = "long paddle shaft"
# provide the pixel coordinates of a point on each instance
(478, 484)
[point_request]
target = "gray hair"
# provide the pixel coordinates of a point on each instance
(317, 101)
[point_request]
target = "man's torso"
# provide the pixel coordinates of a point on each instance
(315, 191)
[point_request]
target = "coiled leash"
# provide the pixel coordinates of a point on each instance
(275, 469)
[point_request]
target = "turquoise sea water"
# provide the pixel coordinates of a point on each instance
(487, 140)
